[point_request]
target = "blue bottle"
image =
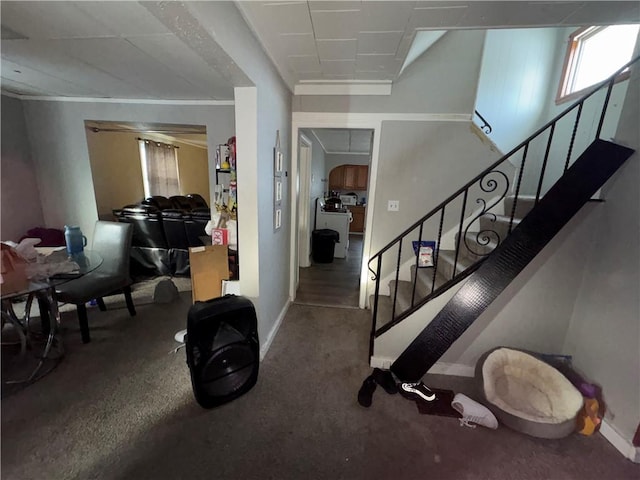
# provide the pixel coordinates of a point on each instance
(75, 240)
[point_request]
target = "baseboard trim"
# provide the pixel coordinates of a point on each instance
(624, 446)
(440, 368)
(274, 330)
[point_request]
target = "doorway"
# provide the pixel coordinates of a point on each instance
(324, 154)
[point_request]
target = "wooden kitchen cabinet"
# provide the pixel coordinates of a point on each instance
(349, 177)
(357, 225)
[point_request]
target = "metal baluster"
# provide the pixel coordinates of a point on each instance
(435, 264)
(604, 107)
(464, 207)
(395, 290)
(415, 275)
(573, 136)
(517, 192)
(544, 163)
(374, 315)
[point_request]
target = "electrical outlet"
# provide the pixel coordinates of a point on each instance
(393, 205)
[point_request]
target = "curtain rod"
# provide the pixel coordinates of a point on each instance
(156, 141)
(125, 130)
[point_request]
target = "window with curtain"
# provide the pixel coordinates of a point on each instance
(159, 168)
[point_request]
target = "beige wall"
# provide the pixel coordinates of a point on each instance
(116, 170)
(193, 170)
(117, 174)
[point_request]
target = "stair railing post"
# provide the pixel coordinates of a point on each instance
(395, 290)
(435, 263)
(518, 183)
(462, 212)
(573, 136)
(415, 274)
(374, 315)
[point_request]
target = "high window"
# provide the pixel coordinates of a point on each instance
(159, 168)
(593, 55)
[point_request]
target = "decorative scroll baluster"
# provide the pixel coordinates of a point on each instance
(483, 237)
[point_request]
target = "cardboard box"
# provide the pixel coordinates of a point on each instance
(209, 267)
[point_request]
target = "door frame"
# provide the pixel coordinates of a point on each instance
(304, 162)
(310, 120)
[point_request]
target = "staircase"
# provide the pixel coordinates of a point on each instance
(489, 230)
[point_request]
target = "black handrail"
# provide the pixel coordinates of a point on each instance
(486, 126)
(488, 185)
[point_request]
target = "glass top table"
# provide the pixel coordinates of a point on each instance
(42, 287)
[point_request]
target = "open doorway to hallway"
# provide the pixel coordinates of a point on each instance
(335, 284)
(333, 179)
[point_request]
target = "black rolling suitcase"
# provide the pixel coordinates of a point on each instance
(223, 352)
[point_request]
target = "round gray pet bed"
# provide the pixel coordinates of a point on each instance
(527, 394)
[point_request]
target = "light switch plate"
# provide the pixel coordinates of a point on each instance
(393, 206)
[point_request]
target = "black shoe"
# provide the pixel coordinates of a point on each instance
(417, 391)
(384, 378)
(365, 395)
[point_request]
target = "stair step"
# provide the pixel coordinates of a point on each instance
(524, 205)
(384, 310)
(423, 288)
(446, 261)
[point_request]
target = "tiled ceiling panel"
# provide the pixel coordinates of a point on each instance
(297, 44)
(336, 25)
(379, 42)
(337, 49)
(385, 16)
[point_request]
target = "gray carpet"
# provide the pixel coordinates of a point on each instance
(122, 408)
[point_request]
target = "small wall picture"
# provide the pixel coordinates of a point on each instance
(277, 221)
(277, 162)
(277, 191)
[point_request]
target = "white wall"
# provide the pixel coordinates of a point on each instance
(604, 334)
(20, 201)
(517, 66)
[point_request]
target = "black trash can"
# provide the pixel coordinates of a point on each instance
(323, 245)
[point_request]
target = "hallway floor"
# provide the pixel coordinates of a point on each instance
(335, 284)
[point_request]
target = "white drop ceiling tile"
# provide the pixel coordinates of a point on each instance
(385, 16)
(488, 14)
(124, 61)
(304, 64)
(51, 20)
(428, 16)
(337, 49)
(376, 62)
(281, 17)
(334, 5)
(542, 13)
(379, 42)
(296, 44)
(124, 18)
(42, 81)
(339, 67)
(176, 56)
(603, 13)
(309, 75)
(341, 25)
(51, 58)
